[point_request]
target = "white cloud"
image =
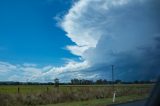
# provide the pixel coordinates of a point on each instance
(85, 21)
(77, 50)
(6, 67)
(15, 78)
(71, 66)
(17, 72)
(30, 72)
(29, 65)
(107, 31)
(73, 23)
(61, 72)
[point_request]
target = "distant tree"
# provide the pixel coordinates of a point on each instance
(75, 81)
(81, 82)
(86, 82)
(118, 81)
(136, 82)
(105, 81)
(56, 82)
(99, 81)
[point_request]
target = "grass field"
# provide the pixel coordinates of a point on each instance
(32, 95)
(101, 102)
(12, 89)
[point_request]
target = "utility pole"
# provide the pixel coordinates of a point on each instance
(113, 78)
(114, 92)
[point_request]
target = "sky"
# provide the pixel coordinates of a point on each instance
(41, 40)
(28, 31)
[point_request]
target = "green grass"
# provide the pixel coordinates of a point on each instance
(101, 102)
(12, 89)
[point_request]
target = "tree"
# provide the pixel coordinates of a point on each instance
(118, 81)
(99, 81)
(75, 81)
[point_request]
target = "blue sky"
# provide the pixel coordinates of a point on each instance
(41, 40)
(29, 32)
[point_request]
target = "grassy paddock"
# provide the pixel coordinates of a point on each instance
(101, 102)
(13, 89)
(32, 95)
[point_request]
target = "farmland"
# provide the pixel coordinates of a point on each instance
(32, 95)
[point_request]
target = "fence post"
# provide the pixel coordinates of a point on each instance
(47, 89)
(18, 90)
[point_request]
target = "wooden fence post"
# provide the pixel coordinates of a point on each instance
(18, 90)
(47, 89)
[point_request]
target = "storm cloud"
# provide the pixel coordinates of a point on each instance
(124, 33)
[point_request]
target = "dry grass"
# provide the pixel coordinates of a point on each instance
(69, 94)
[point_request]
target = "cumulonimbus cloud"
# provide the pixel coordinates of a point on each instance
(119, 32)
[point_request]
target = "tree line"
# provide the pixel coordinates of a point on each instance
(104, 81)
(76, 81)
